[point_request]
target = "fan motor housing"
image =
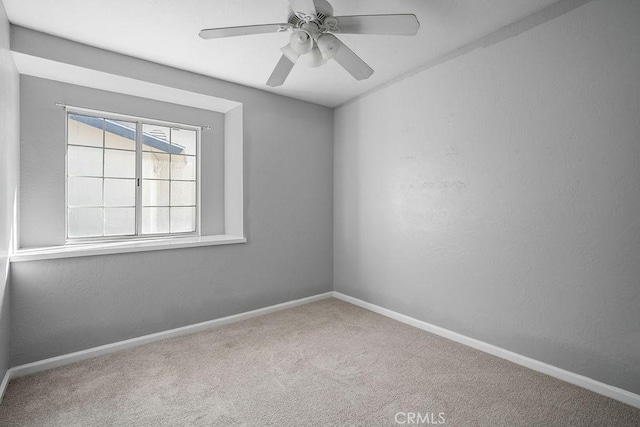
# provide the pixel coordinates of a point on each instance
(323, 11)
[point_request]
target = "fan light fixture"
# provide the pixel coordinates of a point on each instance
(301, 42)
(315, 58)
(290, 53)
(312, 23)
(328, 45)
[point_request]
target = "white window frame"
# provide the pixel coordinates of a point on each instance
(138, 236)
(234, 232)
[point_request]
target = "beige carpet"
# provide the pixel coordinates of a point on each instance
(325, 363)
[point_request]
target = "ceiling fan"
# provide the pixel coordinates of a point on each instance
(312, 27)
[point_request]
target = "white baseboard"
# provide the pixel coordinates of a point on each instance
(66, 359)
(4, 384)
(570, 377)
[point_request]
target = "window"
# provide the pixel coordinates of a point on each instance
(129, 177)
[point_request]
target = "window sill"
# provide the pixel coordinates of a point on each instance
(91, 249)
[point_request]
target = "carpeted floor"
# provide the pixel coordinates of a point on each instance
(325, 363)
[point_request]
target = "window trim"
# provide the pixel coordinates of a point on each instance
(124, 246)
(137, 237)
(233, 111)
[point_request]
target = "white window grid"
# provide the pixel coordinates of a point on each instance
(139, 121)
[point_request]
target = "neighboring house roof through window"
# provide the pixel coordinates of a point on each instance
(129, 133)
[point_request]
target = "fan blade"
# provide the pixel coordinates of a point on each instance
(352, 63)
(291, 54)
(400, 25)
(217, 33)
(303, 6)
(280, 73)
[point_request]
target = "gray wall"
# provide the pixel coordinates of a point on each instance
(42, 153)
(497, 194)
(9, 140)
(9, 159)
(65, 305)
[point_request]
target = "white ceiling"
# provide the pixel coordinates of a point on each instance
(166, 32)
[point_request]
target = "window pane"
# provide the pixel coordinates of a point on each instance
(119, 134)
(183, 167)
(185, 140)
(119, 221)
(84, 191)
(183, 220)
(85, 222)
(102, 170)
(84, 161)
(155, 193)
(155, 138)
(119, 164)
(155, 220)
(84, 130)
(155, 165)
(183, 193)
(119, 192)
